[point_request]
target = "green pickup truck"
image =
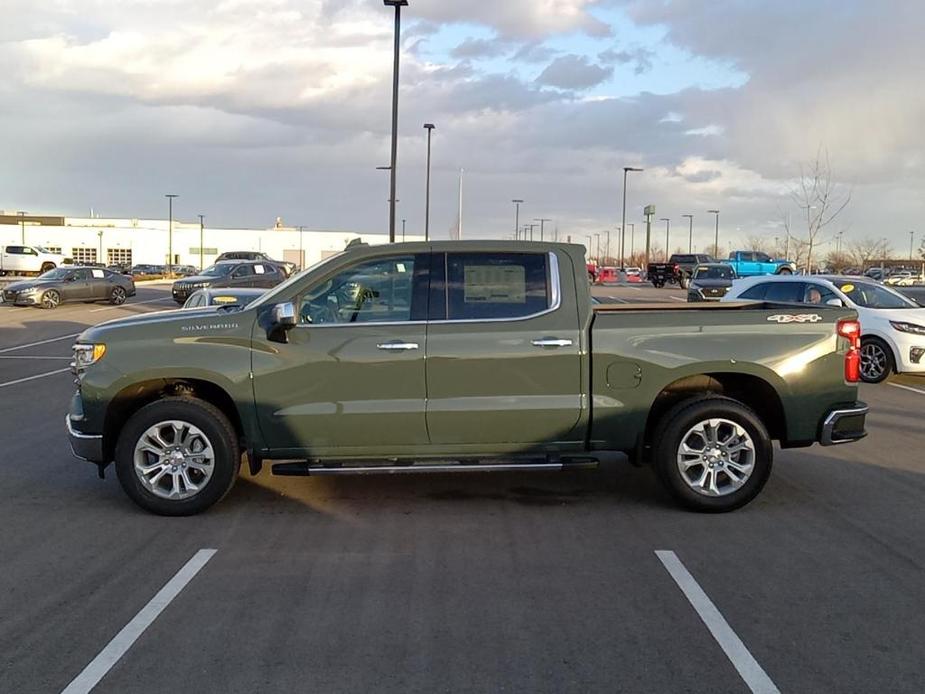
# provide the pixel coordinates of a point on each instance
(459, 356)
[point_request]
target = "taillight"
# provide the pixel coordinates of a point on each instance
(851, 330)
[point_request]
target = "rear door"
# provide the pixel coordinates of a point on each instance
(503, 350)
(100, 283)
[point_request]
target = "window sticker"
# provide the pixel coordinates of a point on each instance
(98, 274)
(495, 284)
(259, 269)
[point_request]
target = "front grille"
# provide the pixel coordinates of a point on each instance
(9, 296)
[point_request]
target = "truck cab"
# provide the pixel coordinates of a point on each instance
(752, 263)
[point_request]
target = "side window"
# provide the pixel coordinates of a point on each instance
(756, 293)
(762, 257)
(81, 274)
(496, 285)
(785, 291)
(29, 251)
(243, 271)
(375, 291)
(14, 250)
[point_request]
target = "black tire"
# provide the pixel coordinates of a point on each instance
(684, 282)
(785, 271)
(51, 299)
(679, 421)
(46, 267)
(877, 361)
(117, 296)
(216, 427)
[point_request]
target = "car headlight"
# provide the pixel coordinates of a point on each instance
(913, 328)
(29, 290)
(87, 355)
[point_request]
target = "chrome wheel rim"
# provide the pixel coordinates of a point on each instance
(50, 299)
(873, 360)
(174, 460)
(716, 457)
(118, 295)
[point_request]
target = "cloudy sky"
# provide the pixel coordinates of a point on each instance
(252, 109)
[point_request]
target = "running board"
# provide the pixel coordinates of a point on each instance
(302, 469)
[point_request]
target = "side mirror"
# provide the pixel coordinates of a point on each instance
(835, 302)
(283, 320)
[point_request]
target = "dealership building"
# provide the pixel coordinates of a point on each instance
(135, 241)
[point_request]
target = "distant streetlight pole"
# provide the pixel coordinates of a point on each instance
(542, 222)
(626, 170)
(397, 4)
(607, 254)
(911, 243)
(517, 203)
(430, 129)
(301, 252)
(690, 232)
(403, 230)
(532, 227)
(202, 226)
(597, 240)
(22, 226)
(667, 235)
(170, 197)
(100, 234)
(716, 235)
(632, 239)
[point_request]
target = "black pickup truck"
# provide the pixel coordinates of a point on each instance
(677, 270)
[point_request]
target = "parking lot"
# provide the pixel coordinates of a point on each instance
(520, 582)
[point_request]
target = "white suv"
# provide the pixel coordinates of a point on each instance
(892, 325)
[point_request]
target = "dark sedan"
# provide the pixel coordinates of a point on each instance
(64, 284)
(710, 282)
(229, 273)
(223, 297)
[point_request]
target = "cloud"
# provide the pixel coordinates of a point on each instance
(574, 72)
(473, 48)
(534, 52)
(640, 58)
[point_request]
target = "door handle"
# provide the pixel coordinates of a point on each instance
(397, 346)
(551, 342)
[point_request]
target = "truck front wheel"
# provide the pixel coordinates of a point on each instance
(712, 453)
(177, 456)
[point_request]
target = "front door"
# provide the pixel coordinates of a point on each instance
(503, 361)
(351, 379)
(77, 286)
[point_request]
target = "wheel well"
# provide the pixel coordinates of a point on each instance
(752, 391)
(132, 398)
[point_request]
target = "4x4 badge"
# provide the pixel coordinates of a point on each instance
(795, 318)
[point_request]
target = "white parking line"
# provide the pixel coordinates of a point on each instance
(910, 388)
(676, 298)
(748, 668)
(32, 378)
(24, 356)
(40, 342)
(121, 642)
(134, 303)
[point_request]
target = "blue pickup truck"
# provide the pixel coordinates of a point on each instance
(751, 263)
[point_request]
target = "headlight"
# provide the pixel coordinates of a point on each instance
(87, 355)
(913, 328)
(29, 290)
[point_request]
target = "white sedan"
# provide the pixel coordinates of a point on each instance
(892, 325)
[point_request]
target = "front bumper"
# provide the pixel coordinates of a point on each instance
(844, 425)
(87, 447)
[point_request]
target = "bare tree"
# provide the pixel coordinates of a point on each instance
(758, 243)
(867, 250)
(820, 199)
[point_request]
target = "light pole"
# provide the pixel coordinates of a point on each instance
(597, 240)
(22, 226)
(589, 246)
(100, 257)
(690, 232)
(607, 253)
(301, 252)
(667, 235)
(632, 239)
(397, 4)
(430, 129)
(911, 243)
(403, 230)
(542, 222)
(716, 235)
(517, 203)
(170, 197)
(202, 226)
(626, 170)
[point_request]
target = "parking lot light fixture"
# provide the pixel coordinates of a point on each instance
(170, 197)
(397, 4)
(716, 235)
(626, 170)
(690, 232)
(542, 222)
(667, 235)
(517, 203)
(22, 226)
(201, 235)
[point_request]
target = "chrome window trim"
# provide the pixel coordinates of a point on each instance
(555, 302)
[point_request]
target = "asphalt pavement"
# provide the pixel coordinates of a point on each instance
(519, 582)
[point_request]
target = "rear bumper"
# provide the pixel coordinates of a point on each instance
(844, 425)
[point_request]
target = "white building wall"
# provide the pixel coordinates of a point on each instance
(148, 240)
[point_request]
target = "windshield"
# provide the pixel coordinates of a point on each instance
(713, 273)
(57, 274)
(217, 270)
(874, 296)
(279, 289)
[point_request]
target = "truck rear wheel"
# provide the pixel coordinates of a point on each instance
(46, 267)
(712, 453)
(177, 456)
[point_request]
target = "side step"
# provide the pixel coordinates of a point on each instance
(304, 469)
